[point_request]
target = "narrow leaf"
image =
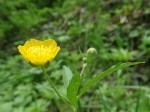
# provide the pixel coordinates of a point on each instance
(106, 73)
(73, 88)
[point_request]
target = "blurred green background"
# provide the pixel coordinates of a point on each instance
(118, 29)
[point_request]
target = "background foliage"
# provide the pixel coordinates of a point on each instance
(118, 29)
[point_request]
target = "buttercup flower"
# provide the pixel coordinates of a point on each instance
(39, 52)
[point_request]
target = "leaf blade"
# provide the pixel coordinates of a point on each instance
(73, 88)
(106, 73)
(67, 75)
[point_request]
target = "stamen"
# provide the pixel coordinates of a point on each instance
(39, 50)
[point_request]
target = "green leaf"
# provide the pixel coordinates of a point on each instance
(106, 73)
(73, 88)
(67, 75)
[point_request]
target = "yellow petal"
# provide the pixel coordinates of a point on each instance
(50, 43)
(22, 50)
(54, 53)
(32, 42)
(37, 62)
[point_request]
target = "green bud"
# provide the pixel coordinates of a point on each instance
(91, 53)
(85, 60)
(84, 65)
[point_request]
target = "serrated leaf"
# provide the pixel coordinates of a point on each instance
(106, 73)
(73, 88)
(67, 75)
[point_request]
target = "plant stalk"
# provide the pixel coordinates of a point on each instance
(56, 91)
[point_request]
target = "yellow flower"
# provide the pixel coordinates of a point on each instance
(39, 52)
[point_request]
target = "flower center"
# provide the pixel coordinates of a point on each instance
(38, 50)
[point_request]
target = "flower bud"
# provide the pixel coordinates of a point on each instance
(85, 60)
(84, 65)
(91, 53)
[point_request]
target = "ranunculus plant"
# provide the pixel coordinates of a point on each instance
(39, 53)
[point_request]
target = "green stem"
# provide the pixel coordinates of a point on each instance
(138, 100)
(56, 91)
(83, 68)
(79, 107)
